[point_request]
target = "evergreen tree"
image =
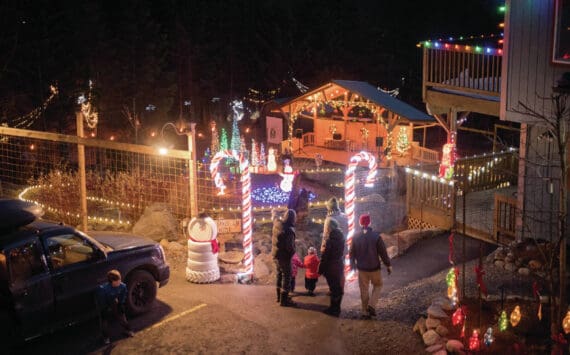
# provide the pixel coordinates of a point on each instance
(403, 144)
(224, 140)
(236, 141)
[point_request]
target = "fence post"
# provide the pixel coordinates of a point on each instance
(81, 170)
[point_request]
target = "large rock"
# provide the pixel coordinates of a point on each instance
(444, 303)
(420, 326)
(435, 311)
(431, 337)
(435, 347)
(432, 323)
(157, 223)
(534, 264)
(442, 330)
(454, 346)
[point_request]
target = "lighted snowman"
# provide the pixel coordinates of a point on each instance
(202, 265)
(271, 164)
(288, 175)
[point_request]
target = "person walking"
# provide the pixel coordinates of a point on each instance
(365, 252)
(331, 266)
(311, 264)
(283, 248)
(111, 299)
(333, 211)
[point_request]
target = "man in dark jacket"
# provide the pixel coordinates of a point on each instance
(283, 248)
(331, 265)
(365, 252)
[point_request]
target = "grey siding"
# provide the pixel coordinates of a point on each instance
(530, 74)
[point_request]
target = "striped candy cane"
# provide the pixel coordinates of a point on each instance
(246, 217)
(349, 197)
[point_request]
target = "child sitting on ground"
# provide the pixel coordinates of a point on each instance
(311, 264)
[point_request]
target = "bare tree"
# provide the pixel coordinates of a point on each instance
(557, 126)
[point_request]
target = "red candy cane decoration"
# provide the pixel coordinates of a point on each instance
(246, 219)
(349, 197)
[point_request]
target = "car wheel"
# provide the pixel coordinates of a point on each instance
(141, 293)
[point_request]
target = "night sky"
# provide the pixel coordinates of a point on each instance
(171, 53)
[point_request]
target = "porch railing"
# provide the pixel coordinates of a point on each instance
(424, 155)
(469, 69)
(487, 171)
(504, 217)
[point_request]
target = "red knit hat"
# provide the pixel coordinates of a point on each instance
(365, 220)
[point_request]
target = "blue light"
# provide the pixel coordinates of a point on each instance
(273, 195)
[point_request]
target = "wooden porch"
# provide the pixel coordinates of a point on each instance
(342, 151)
(479, 201)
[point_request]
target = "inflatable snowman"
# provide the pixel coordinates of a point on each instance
(202, 264)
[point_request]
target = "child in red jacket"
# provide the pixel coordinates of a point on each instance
(311, 264)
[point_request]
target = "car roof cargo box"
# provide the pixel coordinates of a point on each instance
(17, 213)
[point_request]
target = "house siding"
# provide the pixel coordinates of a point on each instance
(528, 72)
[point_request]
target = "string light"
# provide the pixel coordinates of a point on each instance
(26, 121)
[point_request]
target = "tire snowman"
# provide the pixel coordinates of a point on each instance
(202, 265)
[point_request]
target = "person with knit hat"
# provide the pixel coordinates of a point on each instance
(332, 266)
(333, 211)
(366, 251)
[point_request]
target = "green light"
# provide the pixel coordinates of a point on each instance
(503, 323)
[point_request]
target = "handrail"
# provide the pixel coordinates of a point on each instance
(447, 68)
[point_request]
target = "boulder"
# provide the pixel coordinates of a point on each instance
(435, 347)
(442, 330)
(454, 346)
(499, 263)
(432, 323)
(430, 337)
(435, 311)
(534, 264)
(444, 303)
(420, 326)
(156, 223)
(524, 271)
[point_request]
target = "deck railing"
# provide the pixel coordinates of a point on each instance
(504, 217)
(424, 155)
(469, 69)
(487, 171)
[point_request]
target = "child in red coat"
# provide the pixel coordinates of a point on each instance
(311, 264)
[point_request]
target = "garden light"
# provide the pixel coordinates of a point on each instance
(516, 316)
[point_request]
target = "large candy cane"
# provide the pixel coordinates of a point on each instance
(349, 197)
(246, 217)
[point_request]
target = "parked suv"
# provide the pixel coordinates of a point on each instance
(49, 272)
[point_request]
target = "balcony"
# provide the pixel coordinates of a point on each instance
(462, 77)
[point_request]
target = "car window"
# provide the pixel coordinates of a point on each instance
(25, 261)
(68, 249)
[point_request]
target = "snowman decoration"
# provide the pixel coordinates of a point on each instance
(203, 247)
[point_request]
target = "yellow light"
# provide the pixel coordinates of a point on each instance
(516, 316)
